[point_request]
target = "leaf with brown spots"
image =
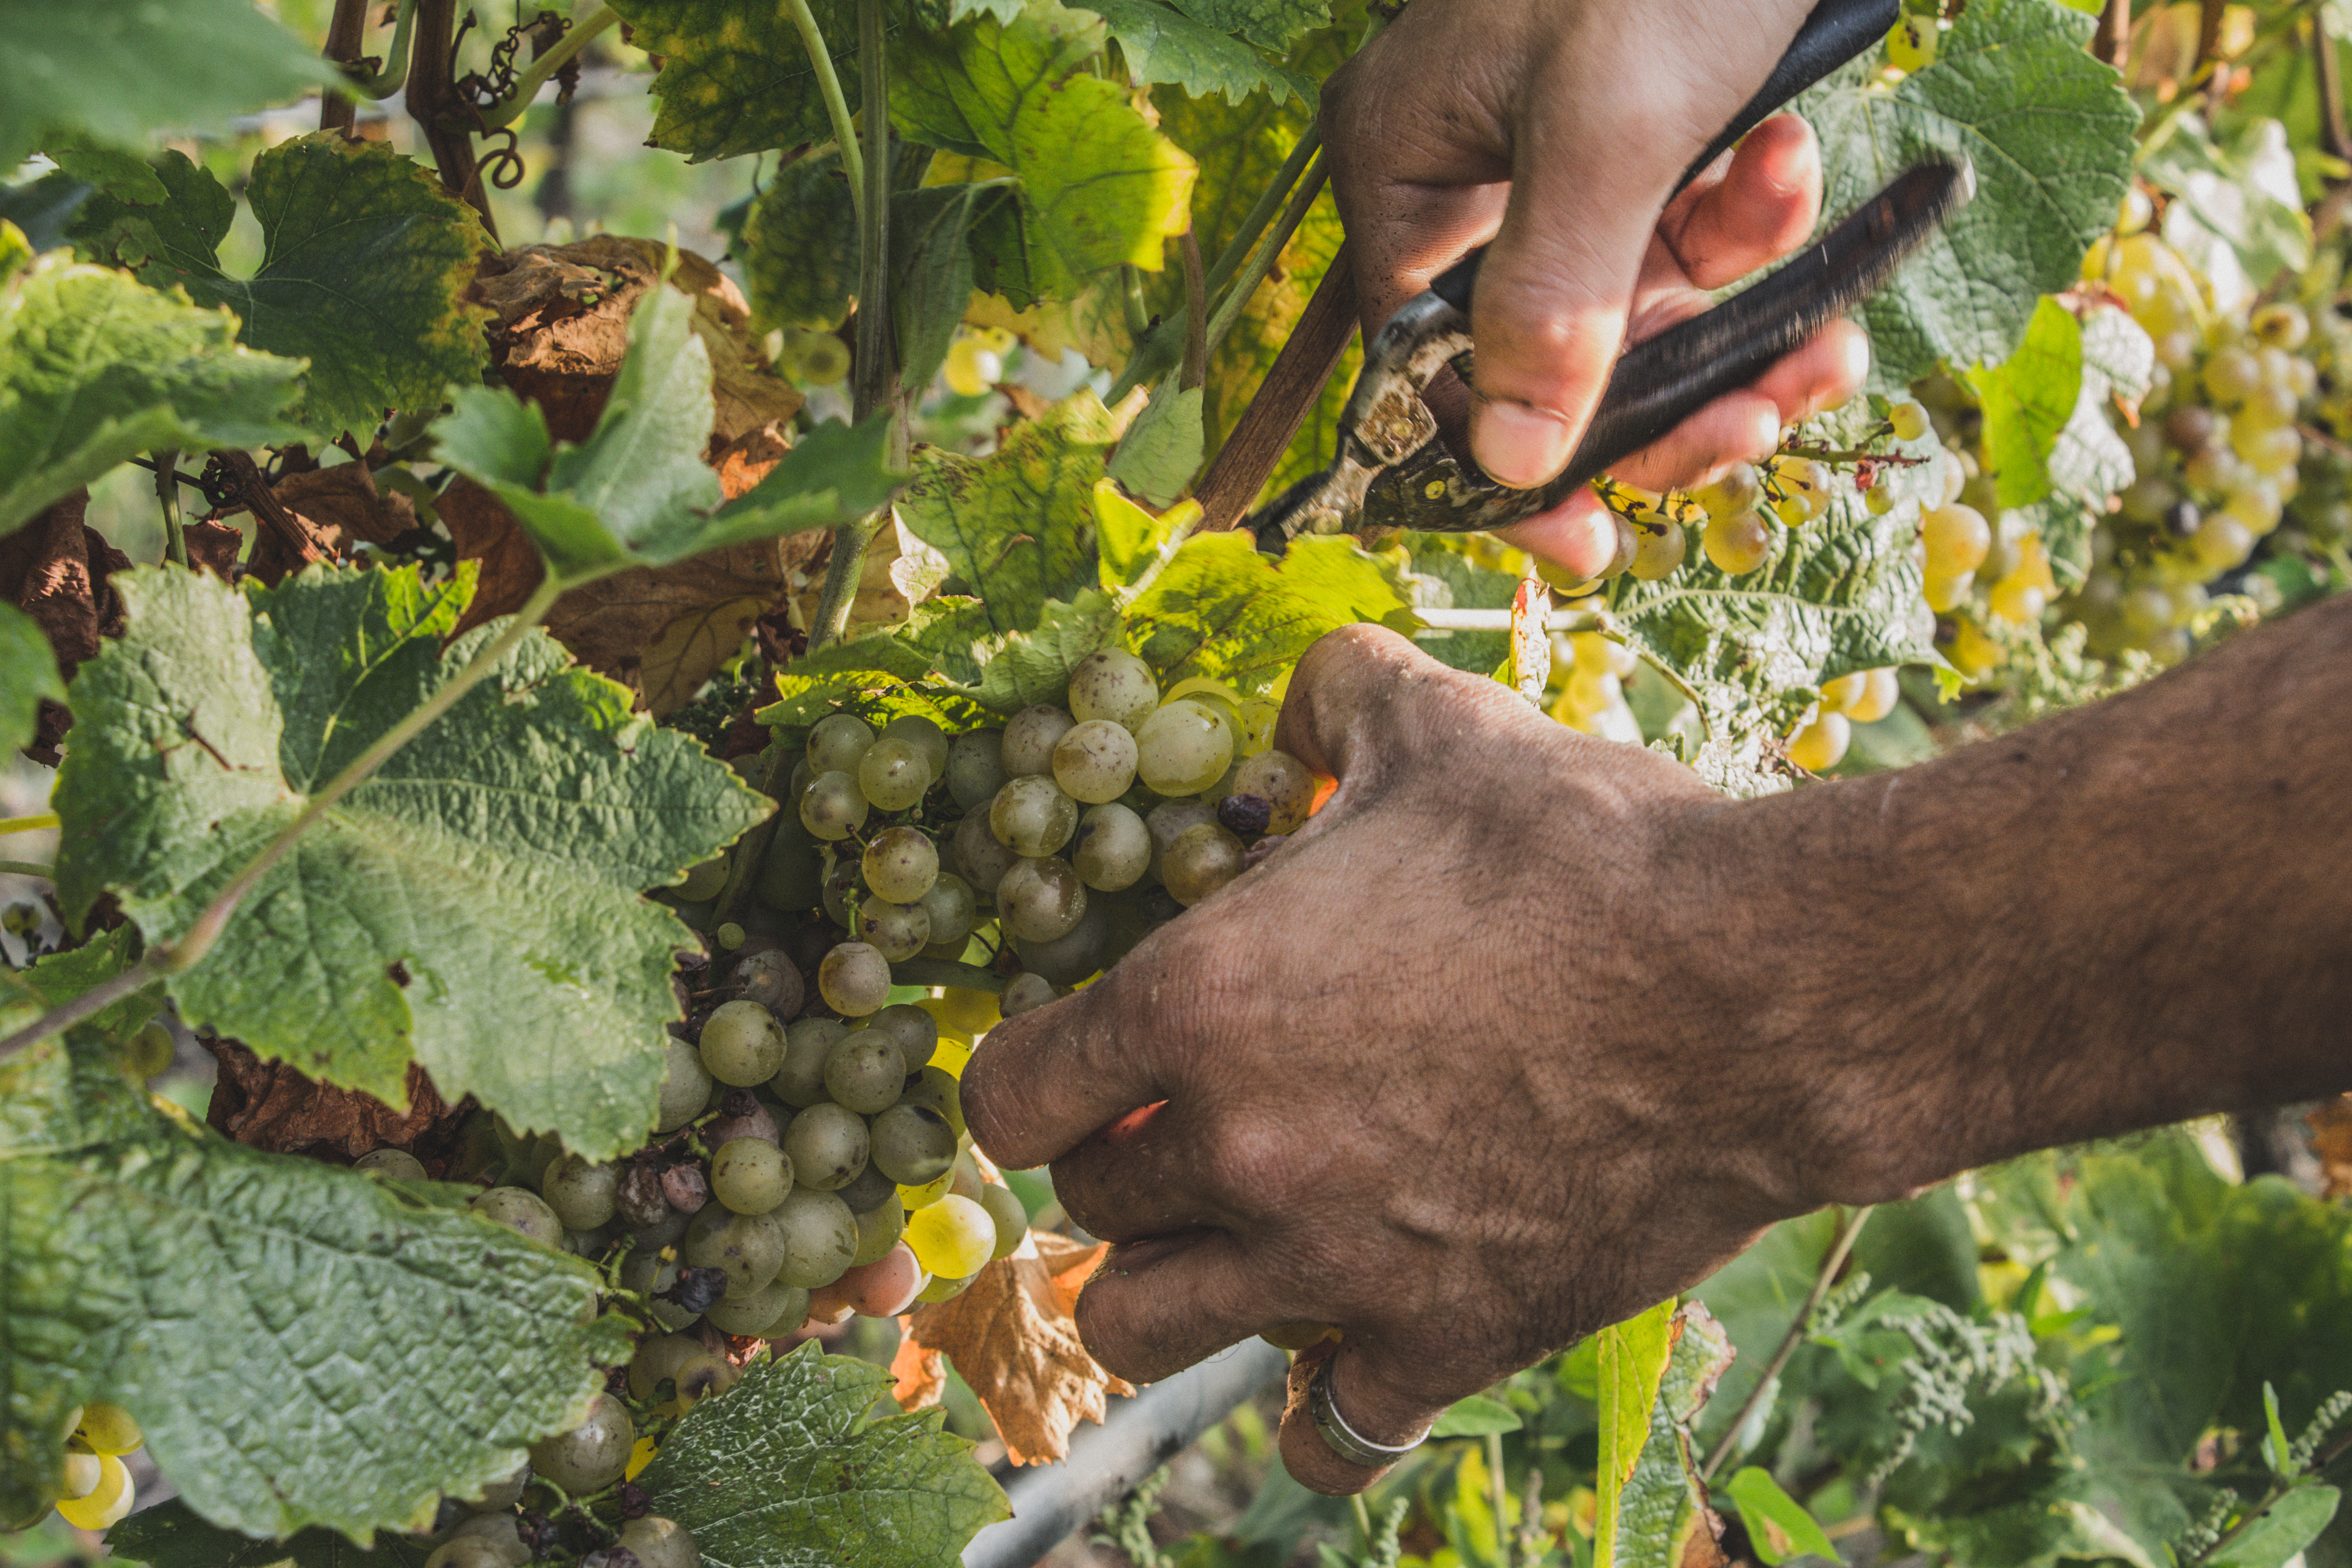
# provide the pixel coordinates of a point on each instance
(1012, 1337)
(55, 570)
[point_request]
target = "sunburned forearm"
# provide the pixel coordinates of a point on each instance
(2135, 912)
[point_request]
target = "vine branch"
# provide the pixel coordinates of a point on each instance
(28, 868)
(1841, 1248)
(518, 103)
(836, 107)
(163, 959)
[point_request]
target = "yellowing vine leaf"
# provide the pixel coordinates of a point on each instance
(1011, 1336)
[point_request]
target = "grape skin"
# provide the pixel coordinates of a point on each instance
(1077, 952)
(686, 1087)
(854, 979)
(1027, 751)
(582, 1195)
(591, 1456)
(865, 1072)
(900, 864)
(800, 1081)
(1183, 748)
(820, 1237)
(837, 743)
(1094, 762)
(1011, 1216)
(828, 1145)
(954, 1237)
(393, 1164)
(948, 905)
(522, 1211)
(1025, 992)
(878, 1229)
(1040, 899)
(897, 932)
(1201, 861)
(742, 1043)
(912, 1144)
(975, 767)
(1114, 686)
(915, 1030)
(894, 774)
(1736, 542)
(833, 806)
(1112, 847)
(749, 1175)
(926, 738)
(1032, 817)
(1283, 783)
(980, 857)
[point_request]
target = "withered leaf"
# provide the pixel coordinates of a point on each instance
(268, 1105)
(55, 570)
(2331, 1140)
(1011, 1336)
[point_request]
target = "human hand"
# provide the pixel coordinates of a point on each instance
(1552, 129)
(1448, 1071)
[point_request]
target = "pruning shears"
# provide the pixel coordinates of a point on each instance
(1390, 471)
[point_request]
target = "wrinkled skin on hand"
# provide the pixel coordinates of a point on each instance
(1525, 1030)
(1556, 129)
(1444, 1120)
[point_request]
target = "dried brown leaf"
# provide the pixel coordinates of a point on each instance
(268, 1105)
(345, 508)
(1011, 1336)
(213, 547)
(55, 570)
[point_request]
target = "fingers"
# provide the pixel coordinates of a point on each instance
(1364, 698)
(1157, 1307)
(1579, 536)
(1380, 1396)
(1043, 1080)
(1761, 206)
(1152, 1172)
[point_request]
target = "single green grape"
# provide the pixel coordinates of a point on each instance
(703, 883)
(936, 1089)
(1075, 953)
(867, 1188)
(1736, 542)
(522, 1211)
(949, 906)
(1011, 1218)
(1112, 848)
(657, 1359)
(1818, 747)
(837, 743)
(820, 1237)
(828, 1145)
(975, 767)
(1183, 748)
(901, 864)
(747, 1248)
(894, 774)
(854, 979)
(943, 1290)
(912, 1144)
(1283, 783)
(1114, 686)
(659, 1542)
(1909, 419)
(1958, 538)
(1040, 899)
(582, 1194)
(896, 931)
(1204, 859)
(926, 737)
(800, 1081)
(952, 1237)
(742, 1043)
(866, 1072)
(1737, 488)
(917, 1032)
(878, 1229)
(591, 1456)
(1094, 761)
(1030, 737)
(1025, 992)
(1658, 551)
(1032, 816)
(833, 806)
(749, 1175)
(393, 1164)
(747, 1314)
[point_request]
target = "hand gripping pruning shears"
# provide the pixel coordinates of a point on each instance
(1391, 470)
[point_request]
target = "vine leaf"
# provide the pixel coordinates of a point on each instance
(114, 73)
(1011, 1336)
(264, 1318)
(95, 368)
(473, 905)
(1841, 593)
(364, 266)
(785, 1471)
(2028, 399)
(1167, 43)
(735, 76)
(1096, 185)
(28, 674)
(1161, 450)
(1779, 1525)
(1632, 1358)
(1221, 609)
(637, 491)
(2048, 131)
(1661, 1518)
(1017, 526)
(800, 246)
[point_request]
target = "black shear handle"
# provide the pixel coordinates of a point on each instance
(1836, 32)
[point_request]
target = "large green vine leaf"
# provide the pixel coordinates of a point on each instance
(637, 492)
(1838, 594)
(1096, 185)
(2027, 401)
(2048, 133)
(1221, 609)
(364, 264)
(1662, 1500)
(95, 368)
(302, 1345)
(800, 246)
(113, 72)
(1167, 43)
(474, 905)
(785, 1471)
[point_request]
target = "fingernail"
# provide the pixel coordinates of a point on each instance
(1517, 445)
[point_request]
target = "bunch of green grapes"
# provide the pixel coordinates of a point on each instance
(98, 1488)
